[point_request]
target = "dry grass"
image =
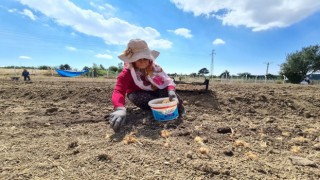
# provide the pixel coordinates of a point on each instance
(62, 79)
(17, 72)
(48, 75)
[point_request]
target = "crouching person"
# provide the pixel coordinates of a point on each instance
(141, 80)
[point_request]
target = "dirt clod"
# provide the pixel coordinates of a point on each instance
(224, 130)
(73, 144)
(104, 157)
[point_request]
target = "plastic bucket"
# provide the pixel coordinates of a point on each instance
(162, 110)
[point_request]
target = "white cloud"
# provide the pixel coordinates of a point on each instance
(109, 7)
(12, 10)
(25, 12)
(104, 7)
(104, 56)
(182, 32)
(111, 30)
(28, 13)
(157, 43)
(253, 14)
(97, 6)
(70, 48)
(218, 41)
(25, 57)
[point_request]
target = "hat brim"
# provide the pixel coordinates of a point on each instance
(152, 55)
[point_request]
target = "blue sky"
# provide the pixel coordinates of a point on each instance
(245, 34)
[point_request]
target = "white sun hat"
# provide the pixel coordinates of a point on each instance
(138, 49)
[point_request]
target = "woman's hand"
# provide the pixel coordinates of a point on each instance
(118, 118)
(172, 95)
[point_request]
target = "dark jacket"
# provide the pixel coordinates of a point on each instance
(25, 73)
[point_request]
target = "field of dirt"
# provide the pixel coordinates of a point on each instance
(58, 130)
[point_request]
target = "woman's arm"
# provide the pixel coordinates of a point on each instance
(120, 89)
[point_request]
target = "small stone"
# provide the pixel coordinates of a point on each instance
(224, 130)
(270, 119)
(316, 147)
(52, 110)
(73, 144)
(75, 152)
(57, 156)
(228, 153)
(104, 157)
(189, 155)
(295, 160)
(307, 115)
(275, 151)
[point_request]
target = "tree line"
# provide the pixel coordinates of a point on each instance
(297, 65)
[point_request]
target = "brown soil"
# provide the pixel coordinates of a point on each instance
(58, 130)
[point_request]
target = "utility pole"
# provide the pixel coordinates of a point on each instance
(268, 63)
(212, 61)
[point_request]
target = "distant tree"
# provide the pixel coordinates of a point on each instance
(113, 68)
(299, 63)
(312, 53)
(203, 71)
(85, 68)
(172, 75)
(225, 74)
(120, 67)
(245, 74)
(65, 67)
(44, 67)
(101, 67)
(271, 76)
(193, 74)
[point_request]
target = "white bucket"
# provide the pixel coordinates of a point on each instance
(164, 111)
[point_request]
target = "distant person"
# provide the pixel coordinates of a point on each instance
(95, 74)
(141, 80)
(26, 75)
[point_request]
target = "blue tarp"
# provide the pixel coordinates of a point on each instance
(67, 73)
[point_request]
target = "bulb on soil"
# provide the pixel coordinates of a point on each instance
(107, 136)
(128, 139)
(165, 133)
(251, 155)
(198, 140)
(165, 101)
(241, 143)
(286, 134)
(295, 149)
(263, 144)
(166, 144)
(204, 150)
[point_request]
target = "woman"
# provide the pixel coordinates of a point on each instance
(141, 80)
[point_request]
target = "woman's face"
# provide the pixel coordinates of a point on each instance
(142, 63)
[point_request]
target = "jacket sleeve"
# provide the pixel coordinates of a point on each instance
(120, 89)
(171, 88)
